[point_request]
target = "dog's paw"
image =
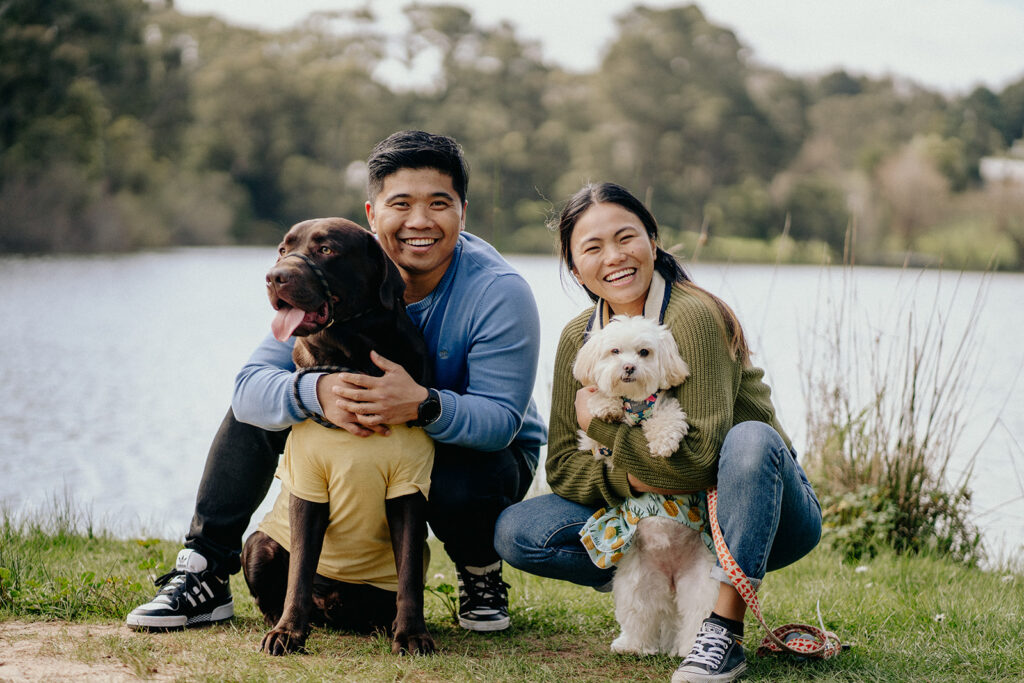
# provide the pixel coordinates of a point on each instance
(282, 641)
(607, 408)
(630, 645)
(413, 644)
(665, 428)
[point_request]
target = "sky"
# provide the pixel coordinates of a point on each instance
(949, 45)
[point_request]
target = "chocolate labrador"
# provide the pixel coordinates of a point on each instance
(339, 294)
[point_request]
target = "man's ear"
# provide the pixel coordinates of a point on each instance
(370, 217)
(462, 221)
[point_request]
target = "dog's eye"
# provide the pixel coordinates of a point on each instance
(614, 352)
(643, 353)
(326, 250)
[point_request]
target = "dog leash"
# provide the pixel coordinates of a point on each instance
(811, 641)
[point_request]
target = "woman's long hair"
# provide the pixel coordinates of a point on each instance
(665, 263)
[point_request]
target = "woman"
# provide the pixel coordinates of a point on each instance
(767, 510)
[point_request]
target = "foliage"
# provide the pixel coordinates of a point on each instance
(885, 414)
(125, 124)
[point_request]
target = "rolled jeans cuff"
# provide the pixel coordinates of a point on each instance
(718, 574)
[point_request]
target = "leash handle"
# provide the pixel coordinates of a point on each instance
(822, 644)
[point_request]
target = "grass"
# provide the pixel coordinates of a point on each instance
(909, 618)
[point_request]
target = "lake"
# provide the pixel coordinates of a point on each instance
(117, 370)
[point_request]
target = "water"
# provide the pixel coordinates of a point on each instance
(117, 370)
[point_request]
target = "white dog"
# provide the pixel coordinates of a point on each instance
(630, 360)
(663, 589)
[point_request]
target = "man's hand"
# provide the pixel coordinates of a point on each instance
(335, 412)
(394, 398)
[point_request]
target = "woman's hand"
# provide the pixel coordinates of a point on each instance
(583, 414)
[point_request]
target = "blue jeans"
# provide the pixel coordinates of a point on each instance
(767, 509)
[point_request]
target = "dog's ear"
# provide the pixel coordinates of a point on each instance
(586, 362)
(674, 369)
(392, 286)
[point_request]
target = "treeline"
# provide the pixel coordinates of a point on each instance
(127, 125)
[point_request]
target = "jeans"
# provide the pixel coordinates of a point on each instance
(762, 490)
(469, 489)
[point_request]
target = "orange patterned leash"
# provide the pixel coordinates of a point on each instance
(812, 641)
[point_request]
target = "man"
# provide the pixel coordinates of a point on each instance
(482, 329)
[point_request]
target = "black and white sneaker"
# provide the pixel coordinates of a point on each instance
(483, 598)
(190, 595)
(716, 656)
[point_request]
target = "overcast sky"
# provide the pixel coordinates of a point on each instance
(952, 45)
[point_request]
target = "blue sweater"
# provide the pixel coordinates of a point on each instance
(483, 333)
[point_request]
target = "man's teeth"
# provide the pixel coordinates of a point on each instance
(419, 241)
(619, 274)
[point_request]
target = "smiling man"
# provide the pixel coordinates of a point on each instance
(482, 329)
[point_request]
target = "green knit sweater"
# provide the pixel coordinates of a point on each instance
(719, 393)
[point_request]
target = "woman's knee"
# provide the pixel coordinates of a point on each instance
(746, 448)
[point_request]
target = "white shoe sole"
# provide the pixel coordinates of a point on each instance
(485, 626)
(176, 621)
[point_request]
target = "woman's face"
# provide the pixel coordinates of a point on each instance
(613, 257)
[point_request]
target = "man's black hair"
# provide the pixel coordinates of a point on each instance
(417, 149)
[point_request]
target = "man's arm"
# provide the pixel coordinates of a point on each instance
(265, 392)
(504, 347)
(264, 388)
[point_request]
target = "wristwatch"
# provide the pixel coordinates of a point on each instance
(428, 411)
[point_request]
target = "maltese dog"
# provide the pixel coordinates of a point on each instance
(663, 589)
(633, 361)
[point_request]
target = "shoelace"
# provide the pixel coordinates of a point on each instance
(486, 588)
(172, 582)
(713, 647)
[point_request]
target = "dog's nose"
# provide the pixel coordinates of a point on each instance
(278, 276)
(628, 369)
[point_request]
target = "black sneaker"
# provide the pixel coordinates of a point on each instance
(190, 595)
(483, 598)
(716, 655)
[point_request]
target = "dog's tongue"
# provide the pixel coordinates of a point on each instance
(285, 322)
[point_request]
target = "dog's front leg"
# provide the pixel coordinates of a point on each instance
(666, 427)
(307, 522)
(407, 523)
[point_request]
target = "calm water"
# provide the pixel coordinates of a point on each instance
(117, 370)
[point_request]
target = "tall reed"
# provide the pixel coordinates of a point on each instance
(886, 385)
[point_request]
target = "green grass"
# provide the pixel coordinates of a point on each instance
(889, 610)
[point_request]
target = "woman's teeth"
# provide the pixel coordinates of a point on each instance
(620, 274)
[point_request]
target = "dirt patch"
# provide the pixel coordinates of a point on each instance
(59, 651)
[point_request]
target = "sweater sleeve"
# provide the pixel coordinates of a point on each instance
(574, 474)
(503, 353)
(264, 393)
(707, 397)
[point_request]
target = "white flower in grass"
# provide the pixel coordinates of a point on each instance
(1008, 578)
(939, 618)
(861, 569)
(439, 576)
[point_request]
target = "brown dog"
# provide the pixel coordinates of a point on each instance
(336, 290)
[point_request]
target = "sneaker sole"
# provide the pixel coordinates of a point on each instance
(485, 626)
(694, 677)
(149, 622)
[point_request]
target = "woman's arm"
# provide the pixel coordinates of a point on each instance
(574, 474)
(707, 397)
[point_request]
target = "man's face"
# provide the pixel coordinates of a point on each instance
(417, 216)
